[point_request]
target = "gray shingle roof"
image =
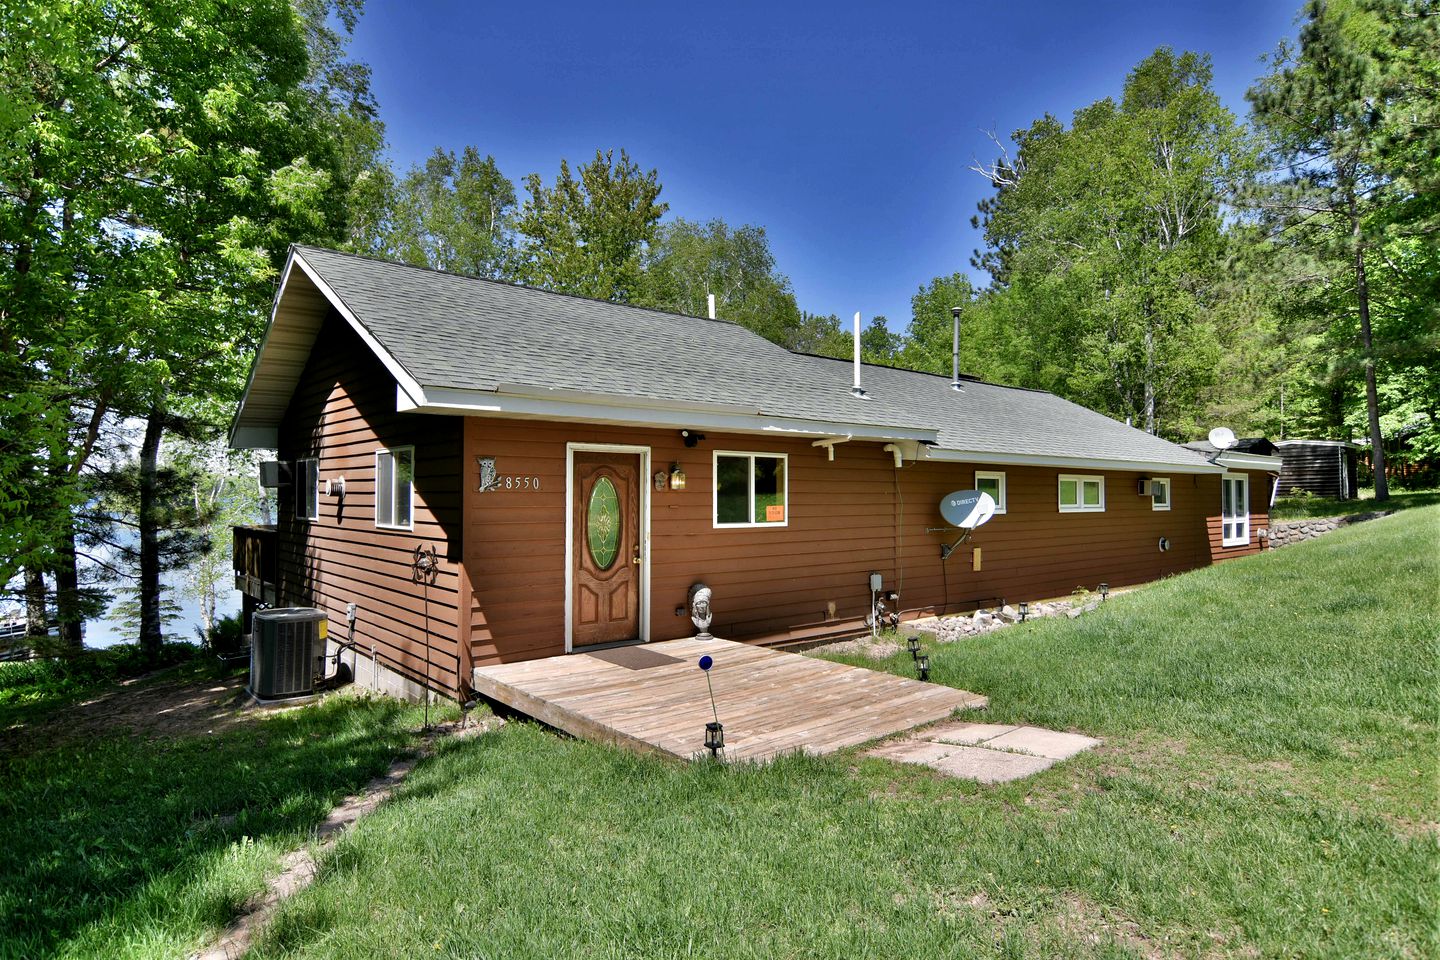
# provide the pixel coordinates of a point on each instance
(462, 333)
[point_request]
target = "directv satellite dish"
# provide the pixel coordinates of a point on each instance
(967, 509)
(1222, 438)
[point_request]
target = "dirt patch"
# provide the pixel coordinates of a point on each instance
(863, 647)
(151, 707)
(1076, 919)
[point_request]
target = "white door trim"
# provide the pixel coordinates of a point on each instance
(644, 482)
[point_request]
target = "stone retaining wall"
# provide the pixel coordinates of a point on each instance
(1294, 531)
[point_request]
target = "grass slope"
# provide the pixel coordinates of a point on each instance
(119, 846)
(1267, 789)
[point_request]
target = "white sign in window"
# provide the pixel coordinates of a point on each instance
(1234, 510)
(993, 483)
(395, 488)
(1081, 493)
(751, 489)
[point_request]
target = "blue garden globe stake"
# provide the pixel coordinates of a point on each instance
(714, 731)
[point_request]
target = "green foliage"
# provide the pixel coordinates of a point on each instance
(1108, 247)
(226, 635)
(687, 262)
(158, 160)
(587, 235)
(1348, 118)
(455, 216)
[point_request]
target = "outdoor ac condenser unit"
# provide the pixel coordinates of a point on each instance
(287, 652)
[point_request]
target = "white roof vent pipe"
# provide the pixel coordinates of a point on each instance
(710, 298)
(955, 353)
(857, 390)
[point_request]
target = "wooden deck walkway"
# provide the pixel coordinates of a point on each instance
(652, 698)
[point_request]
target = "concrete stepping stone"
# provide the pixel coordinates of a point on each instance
(985, 752)
(1042, 743)
(965, 733)
(967, 763)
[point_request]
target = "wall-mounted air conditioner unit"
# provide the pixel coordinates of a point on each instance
(275, 473)
(287, 652)
(1144, 487)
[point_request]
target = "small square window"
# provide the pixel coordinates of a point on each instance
(1160, 493)
(395, 488)
(1082, 493)
(993, 483)
(751, 490)
(307, 489)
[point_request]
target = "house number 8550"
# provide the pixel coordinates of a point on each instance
(492, 480)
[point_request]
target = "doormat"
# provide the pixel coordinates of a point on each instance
(634, 658)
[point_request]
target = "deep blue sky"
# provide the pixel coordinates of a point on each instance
(844, 129)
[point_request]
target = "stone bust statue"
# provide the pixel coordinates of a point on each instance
(700, 613)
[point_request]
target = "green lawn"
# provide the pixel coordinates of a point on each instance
(1267, 788)
(117, 846)
(1300, 508)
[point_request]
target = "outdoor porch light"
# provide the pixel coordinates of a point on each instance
(923, 662)
(1104, 591)
(677, 477)
(714, 737)
(913, 645)
(1024, 610)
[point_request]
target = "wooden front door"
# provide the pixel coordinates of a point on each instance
(606, 562)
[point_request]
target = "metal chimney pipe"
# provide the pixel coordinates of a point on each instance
(955, 352)
(857, 390)
(711, 299)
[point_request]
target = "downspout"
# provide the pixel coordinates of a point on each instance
(894, 448)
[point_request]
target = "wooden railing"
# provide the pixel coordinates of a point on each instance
(256, 562)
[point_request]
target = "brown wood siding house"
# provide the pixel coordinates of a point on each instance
(554, 514)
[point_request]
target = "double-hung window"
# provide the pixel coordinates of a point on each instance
(395, 488)
(1234, 510)
(751, 489)
(307, 489)
(1082, 493)
(1160, 493)
(993, 483)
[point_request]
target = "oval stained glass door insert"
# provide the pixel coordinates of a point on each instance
(602, 523)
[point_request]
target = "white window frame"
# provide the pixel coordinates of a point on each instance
(993, 475)
(307, 496)
(392, 452)
(715, 523)
(1240, 523)
(1080, 506)
(1169, 490)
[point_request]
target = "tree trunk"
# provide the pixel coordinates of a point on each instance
(1372, 399)
(68, 604)
(151, 628)
(37, 613)
(1149, 401)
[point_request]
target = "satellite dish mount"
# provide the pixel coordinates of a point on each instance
(966, 509)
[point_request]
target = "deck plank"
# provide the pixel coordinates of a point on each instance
(770, 701)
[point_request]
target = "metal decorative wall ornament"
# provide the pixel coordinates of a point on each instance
(487, 473)
(700, 613)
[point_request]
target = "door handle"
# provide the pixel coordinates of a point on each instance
(636, 559)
